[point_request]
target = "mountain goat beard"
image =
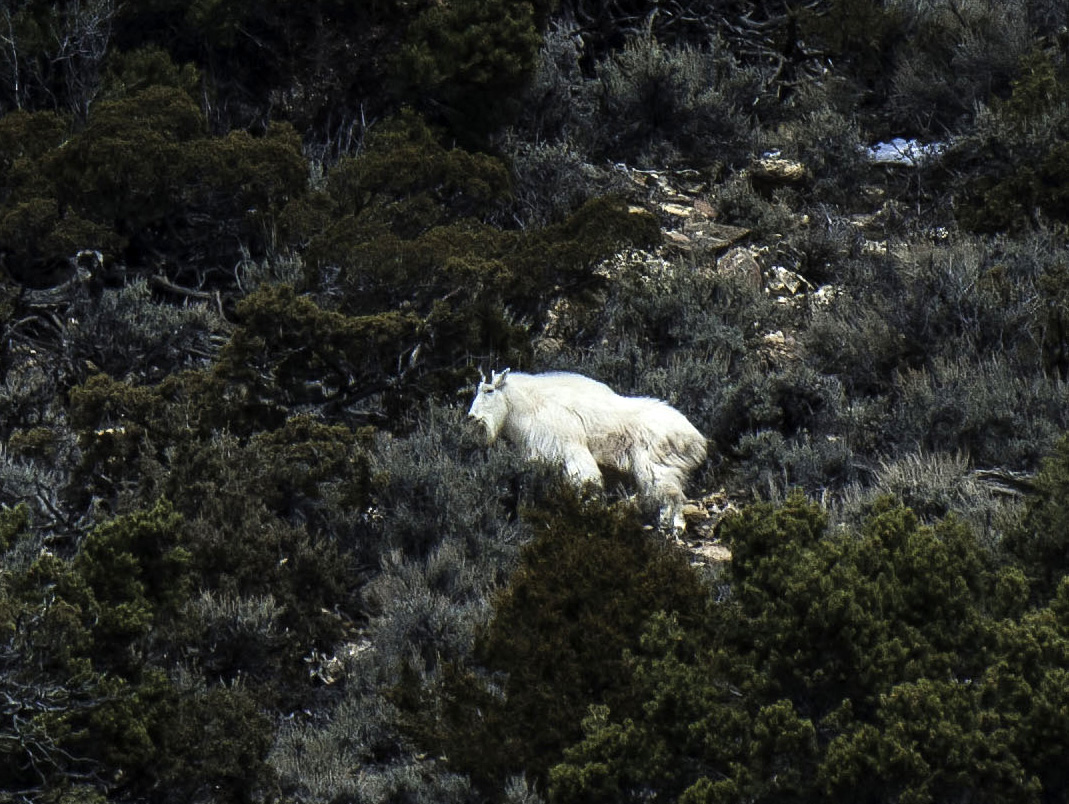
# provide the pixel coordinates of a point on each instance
(489, 409)
(487, 428)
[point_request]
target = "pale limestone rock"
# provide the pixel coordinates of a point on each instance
(740, 262)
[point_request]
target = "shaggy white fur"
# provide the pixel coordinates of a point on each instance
(584, 425)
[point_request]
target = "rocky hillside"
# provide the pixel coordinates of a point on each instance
(252, 259)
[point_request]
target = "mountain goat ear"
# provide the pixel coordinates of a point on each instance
(499, 379)
(482, 376)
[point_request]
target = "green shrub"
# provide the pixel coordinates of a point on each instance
(89, 636)
(131, 72)
(998, 417)
(127, 334)
(1039, 540)
(318, 65)
(24, 138)
(127, 579)
(404, 168)
(13, 521)
(145, 168)
(1011, 169)
(266, 512)
(827, 143)
(585, 586)
(769, 464)
(854, 340)
(468, 60)
(41, 243)
(863, 33)
(291, 351)
(914, 305)
(138, 571)
(151, 740)
(658, 105)
(870, 664)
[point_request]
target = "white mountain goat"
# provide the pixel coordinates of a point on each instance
(583, 424)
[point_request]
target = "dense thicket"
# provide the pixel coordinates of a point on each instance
(251, 258)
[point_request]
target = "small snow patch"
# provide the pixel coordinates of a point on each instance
(901, 151)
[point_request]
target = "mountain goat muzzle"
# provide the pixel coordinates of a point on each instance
(583, 425)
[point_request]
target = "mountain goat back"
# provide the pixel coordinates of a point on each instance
(584, 425)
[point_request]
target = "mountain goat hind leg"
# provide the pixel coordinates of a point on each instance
(668, 491)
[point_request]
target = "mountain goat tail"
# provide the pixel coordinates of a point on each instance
(677, 442)
(693, 448)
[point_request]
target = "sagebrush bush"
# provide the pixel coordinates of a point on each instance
(28, 393)
(957, 59)
(558, 102)
(585, 586)
(649, 104)
(791, 399)
(828, 145)
(552, 180)
(1007, 173)
(981, 407)
(964, 295)
(767, 218)
(40, 479)
(933, 485)
(441, 485)
(659, 105)
(919, 68)
(769, 464)
(658, 314)
(441, 535)
(128, 334)
(275, 268)
(854, 341)
(424, 613)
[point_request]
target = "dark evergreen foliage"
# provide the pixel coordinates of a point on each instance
(252, 256)
(867, 665)
(584, 586)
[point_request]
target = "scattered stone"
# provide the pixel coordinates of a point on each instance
(778, 347)
(704, 208)
(694, 513)
(824, 296)
(331, 669)
(714, 236)
(773, 171)
(740, 262)
(678, 210)
(674, 238)
(784, 282)
(710, 553)
(776, 338)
